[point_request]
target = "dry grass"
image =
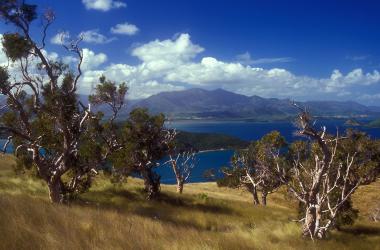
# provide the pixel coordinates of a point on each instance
(118, 217)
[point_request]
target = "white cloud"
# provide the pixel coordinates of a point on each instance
(92, 60)
(3, 57)
(173, 64)
(125, 29)
(246, 59)
(162, 55)
(93, 36)
(103, 5)
(60, 38)
(89, 36)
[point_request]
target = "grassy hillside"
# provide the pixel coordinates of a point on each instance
(205, 217)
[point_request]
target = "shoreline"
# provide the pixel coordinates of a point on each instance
(214, 150)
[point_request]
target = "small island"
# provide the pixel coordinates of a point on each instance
(374, 124)
(352, 122)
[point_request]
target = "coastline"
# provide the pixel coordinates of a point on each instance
(214, 150)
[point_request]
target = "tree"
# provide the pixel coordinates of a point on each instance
(107, 132)
(146, 143)
(46, 123)
(375, 213)
(182, 165)
(254, 168)
(324, 172)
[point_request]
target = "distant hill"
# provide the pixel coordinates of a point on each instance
(221, 104)
(207, 141)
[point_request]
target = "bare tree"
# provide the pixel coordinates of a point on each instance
(323, 180)
(45, 120)
(254, 168)
(182, 165)
(248, 178)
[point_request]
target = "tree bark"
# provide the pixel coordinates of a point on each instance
(152, 184)
(264, 195)
(179, 186)
(311, 226)
(55, 186)
(255, 197)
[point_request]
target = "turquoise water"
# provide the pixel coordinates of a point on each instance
(244, 130)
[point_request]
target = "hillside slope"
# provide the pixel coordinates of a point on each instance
(118, 217)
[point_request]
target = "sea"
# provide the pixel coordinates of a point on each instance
(213, 160)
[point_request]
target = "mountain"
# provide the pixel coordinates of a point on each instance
(221, 104)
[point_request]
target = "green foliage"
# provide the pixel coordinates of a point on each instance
(16, 46)
(18, 12)
(144, 135)
(258, 162)
(231, 177)
(4, 78)
(106, 92)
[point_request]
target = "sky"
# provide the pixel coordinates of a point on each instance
(302, 50)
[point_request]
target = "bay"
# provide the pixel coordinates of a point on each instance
(244, 130)
(247, 131)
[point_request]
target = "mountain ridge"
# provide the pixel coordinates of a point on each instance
(199, 103)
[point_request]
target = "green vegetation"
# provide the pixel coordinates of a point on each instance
(374, 124)
(321, 173)
(352, 122)
(75, 157)
(208, 141)
(206, 217)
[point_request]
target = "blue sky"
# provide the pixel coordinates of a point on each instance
(303, 50)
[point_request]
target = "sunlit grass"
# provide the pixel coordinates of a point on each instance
(118, 217)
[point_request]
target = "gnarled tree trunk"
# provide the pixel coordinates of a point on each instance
(255, 197)
(264, 195)
(312, 225)
(179, 186)
(56, 190)
(152, 183)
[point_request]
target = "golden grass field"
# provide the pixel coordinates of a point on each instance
(204, 217)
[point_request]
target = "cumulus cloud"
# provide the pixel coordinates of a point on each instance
(125, 29)
(171, 65)
(162, 55)
(176, 64)
(103, 5)
(60, 38)
(139, 87)
(93, 36)
(92, 60)
(88, 36)
(246, 59)
(3, 57)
